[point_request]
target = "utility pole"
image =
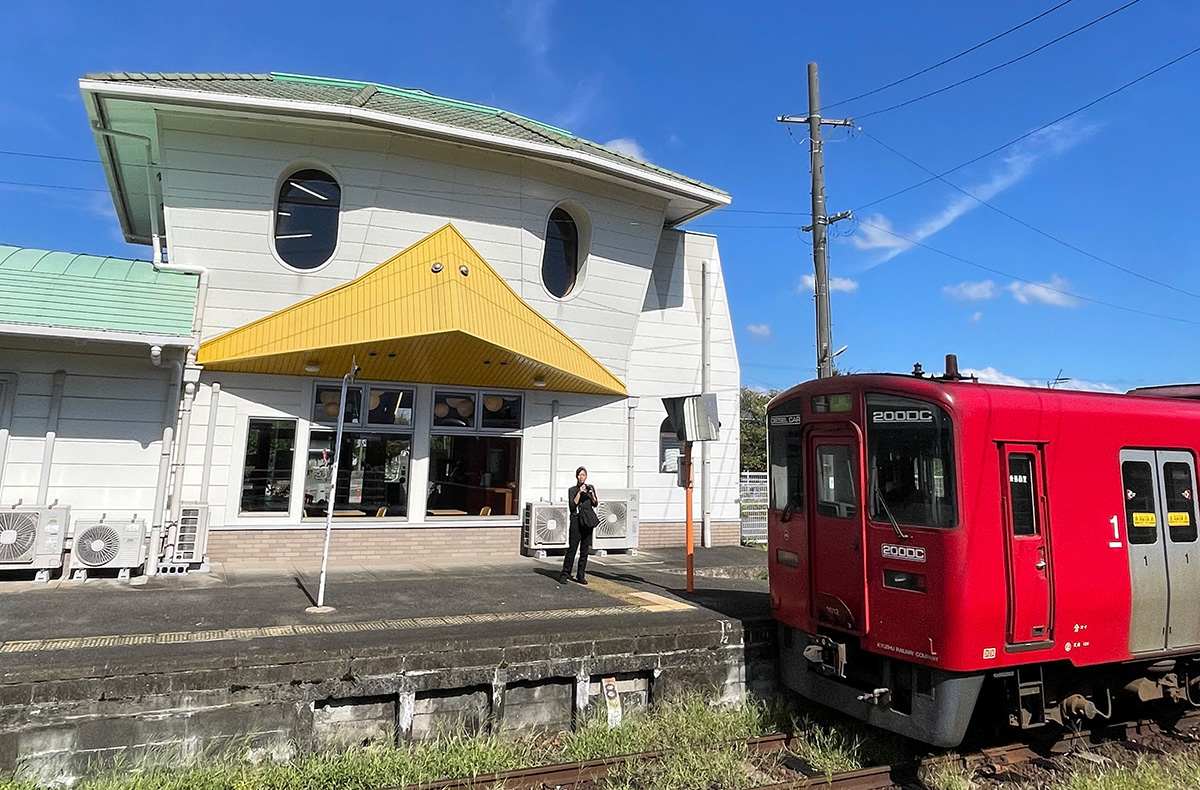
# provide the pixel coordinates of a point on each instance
(820, 222)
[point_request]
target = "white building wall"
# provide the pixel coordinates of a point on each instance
(665, 362)
(636, 306)
(220, 184)
(109, 438)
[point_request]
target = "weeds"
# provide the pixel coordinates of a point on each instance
(1175, 772)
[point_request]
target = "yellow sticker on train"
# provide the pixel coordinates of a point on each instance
(1144, 520)
(1183, 519)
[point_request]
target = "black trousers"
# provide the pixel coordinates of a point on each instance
(581, 541)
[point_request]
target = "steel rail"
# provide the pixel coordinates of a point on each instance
(882, 777)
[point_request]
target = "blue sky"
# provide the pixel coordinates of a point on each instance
(696, 87)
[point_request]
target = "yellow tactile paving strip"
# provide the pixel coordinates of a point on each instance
(630, 598)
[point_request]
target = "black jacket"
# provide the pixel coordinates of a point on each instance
(585, 510)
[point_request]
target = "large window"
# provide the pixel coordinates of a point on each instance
(910, 447)
(785, 456)
(267, 475)
(376, 450)
(306, 218)
(474, 459)
(560, 260)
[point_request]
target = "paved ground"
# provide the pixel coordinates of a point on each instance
(68, 629)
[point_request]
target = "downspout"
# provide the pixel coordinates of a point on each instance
(705, 386)
(164, 458)
(56, 395)
(209, 441)
(554, 406)
(175, 502)
(631, 404)
(156, 238)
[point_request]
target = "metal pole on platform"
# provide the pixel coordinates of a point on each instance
(321, 608)
(687, 466)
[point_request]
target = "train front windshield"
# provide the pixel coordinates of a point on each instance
(910, 458)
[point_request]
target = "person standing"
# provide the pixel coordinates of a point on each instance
(581, 498)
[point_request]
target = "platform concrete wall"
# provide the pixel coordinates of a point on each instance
(58, 725)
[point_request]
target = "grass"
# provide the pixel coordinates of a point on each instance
(699, 732)
(1173, 772)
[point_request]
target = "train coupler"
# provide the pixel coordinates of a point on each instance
(828, 655)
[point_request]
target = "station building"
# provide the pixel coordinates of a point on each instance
(517, 300)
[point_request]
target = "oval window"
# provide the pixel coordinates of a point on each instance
(560, 261)
(306, 218)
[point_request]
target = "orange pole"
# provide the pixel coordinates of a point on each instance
(687, 464)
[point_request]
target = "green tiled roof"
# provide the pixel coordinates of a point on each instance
(403, 102)
(65, 290)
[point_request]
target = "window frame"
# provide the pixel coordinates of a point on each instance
(583, 240)
(476, 429)
(289, 172)
(950, 465)
(240, 481)
(363, 426)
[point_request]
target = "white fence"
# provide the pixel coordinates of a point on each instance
(754, 507)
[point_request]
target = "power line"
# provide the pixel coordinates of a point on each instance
(1002, 65)
(951, 59)
(1043, 286)
(1031, 227)
(1029, 134)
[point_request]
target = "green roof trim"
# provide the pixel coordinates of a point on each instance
(401, 102)
(93, 292)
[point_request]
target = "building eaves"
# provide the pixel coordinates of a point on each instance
(406, 103)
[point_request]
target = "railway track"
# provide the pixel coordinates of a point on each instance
(903, 776)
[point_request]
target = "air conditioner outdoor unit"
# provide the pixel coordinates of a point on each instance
(191, 539)
(32, 539)
(107, 544)
(547, 526)
(618, 527)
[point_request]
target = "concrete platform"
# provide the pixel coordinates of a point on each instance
(106, 671)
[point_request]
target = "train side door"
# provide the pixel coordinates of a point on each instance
(1030, 593)
(1177, 499)
(1148, 576)
(837, 532)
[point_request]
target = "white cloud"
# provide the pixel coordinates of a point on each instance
(976, 317)
(1048, 142)
(533, 16)
(583, 97)
(972, 292)
(1051, 292)
(760, 331)
(629, 147)
(808, 284)
(990, 375)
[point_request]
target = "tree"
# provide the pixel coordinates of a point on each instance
(754, 428)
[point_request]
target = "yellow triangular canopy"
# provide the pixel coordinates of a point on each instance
(436, 313)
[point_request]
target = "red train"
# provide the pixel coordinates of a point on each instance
(939, 546)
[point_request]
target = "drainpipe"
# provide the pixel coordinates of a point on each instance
(56, 394)
(554, 406)
(185, 425)
(156, 236)
(209, 441)
(164, 461)
(705, 384)
(631, 404)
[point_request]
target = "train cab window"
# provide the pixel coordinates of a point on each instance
(835, 481)
(910, 462)
(785, 454)
(1141, 523)
(1021, 494)
(1181, 501)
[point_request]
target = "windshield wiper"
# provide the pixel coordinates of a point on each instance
(887, 510)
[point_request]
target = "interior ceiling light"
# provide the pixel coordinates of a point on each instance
(312, 367)
(309, 191)
(539, 382)
(463, 270)
(436, 267)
